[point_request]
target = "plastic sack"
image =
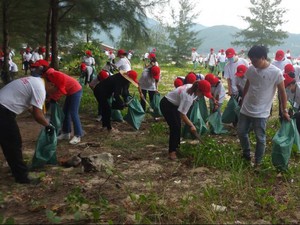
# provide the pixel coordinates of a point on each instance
(135, 114)
(155, 105)
(282, 144)
(116, 114)
(231, 111)
(195, 116)
(45, 150)
(203, 108)
(215, 122)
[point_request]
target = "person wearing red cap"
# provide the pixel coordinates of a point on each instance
(86, 73)
(26, 59)
(190, 78)
(174, 107)
(241, 79)
(73, 92)
(148, 84)
(123, 63)
(233, 61)
(263, 79)
(218, 92)
(103, 74)
(26, 93)
(280, 60)
(111, 56)
(36, 55)
(195, 58)
(179, 81)
(88, 59)
(292, 88)
(114, 86)
(221, 57)
(212, 60)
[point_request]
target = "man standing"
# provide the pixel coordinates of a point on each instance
(263, 79)
(194, 56)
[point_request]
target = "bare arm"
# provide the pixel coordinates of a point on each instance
(187, 121)
(39, 117)
(283, 98)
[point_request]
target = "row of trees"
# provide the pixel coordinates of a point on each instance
(60, 22)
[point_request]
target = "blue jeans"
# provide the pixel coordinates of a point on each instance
(259, 128)
(71, 111)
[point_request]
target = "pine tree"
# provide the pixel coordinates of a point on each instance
(264, 25)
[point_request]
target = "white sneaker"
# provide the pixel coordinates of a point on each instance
(64, 136)
(99, 118)
(75, 140)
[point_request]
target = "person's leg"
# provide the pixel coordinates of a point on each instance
(74, 104)
(66, 128)
(151, 95)
(243, 129)
(259, 127)
(297, 116)
(143, 103)
(11, 143)
(106, 113)
(172, 117)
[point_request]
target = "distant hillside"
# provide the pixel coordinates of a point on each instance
(216, 37)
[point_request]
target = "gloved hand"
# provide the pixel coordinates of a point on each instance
(50, 129)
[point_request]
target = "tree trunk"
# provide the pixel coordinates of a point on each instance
(48, 33)
(5, 66)
(54, 24)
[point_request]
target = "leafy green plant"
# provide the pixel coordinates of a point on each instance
(52, 217)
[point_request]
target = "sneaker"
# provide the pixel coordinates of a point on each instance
(75, 140)
(99, 118)
(64, 136)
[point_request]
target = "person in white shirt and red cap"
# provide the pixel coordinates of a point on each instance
(123, 63)
(280, 60)
(26, 93)
(174, 107)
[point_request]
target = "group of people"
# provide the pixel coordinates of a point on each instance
(253, 83)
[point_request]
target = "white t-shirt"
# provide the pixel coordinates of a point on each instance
(241, 82)
(263, 84)
(219, 90)
(281, 64)
(89, 61)
(13, 67)
(146, 55)
(36, 56)
(230, 70)
(20, 94)
(179, 97)
(212, 59)
(123, 64)
(146, 82)
(297, 72)
(194, 56)
(27, 56)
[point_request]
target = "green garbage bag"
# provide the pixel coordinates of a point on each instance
(215, 123)
(57, 116)
(116, 114)
(135, 114)
(45, 150)
(203, 108)
(231, 111)
(155, 105)
(282, 144)
(81, 80)
(195, 116)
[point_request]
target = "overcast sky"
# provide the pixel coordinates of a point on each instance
(228, 12)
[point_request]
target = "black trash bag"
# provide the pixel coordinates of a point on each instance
(215, 123)
(195, 116)
(135, 114)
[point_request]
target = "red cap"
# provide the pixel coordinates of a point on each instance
(289, 68)
(222, 50)
(211, 49)
(58, 79)
(230, 53)
(190, 78)
(151, 55)
(287, 80)
(83, 66)
(212, 79)
(241, 70)
(88, 52)
(121, 52)
(40, 62)
(279, 55)
(103, 74)
(178, 82)
(204, 86)
(155, 72)
(193, 49)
